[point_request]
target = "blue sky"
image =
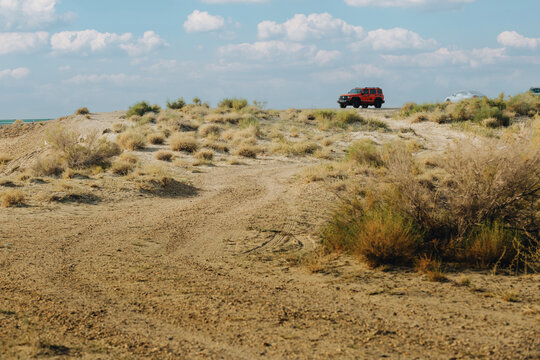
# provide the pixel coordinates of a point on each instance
(58, 55)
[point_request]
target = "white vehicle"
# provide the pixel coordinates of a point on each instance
(464, 94)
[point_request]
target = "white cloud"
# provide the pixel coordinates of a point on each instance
(282, 52)
(17, 73)
(144, 45)
(323, 57)
(353, 73)
(394, 39)
(116, 79)
(14, 42)
(444, 56)
(93, 40)
(29, 13)
(314, 26)
(202, 21)
(514, 39)
(268, 50)
(409, 3)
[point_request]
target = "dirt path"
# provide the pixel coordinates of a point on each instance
(210, 275)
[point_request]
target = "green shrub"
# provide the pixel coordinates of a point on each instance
(176, 105)
(365, 152)
(142, 108)
(233, 103)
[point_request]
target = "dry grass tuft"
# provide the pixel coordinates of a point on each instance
(204, 154)
(210, 129)
(79, 151)
(118, 128)
(131, 140)
(248, 151)
(48, 165)
(12, 198)
(183, 142)
(164, 155)
(433, 269)
(122, 167)
(156, 139)
(82, 111)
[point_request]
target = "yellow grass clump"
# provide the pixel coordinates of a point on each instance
(131, 140)
(12, 198)
(164, 155)
(183, 142)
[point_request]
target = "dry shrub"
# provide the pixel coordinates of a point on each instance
(421, 117)
(248, 151)
(183, 142)
(130, 158)
(122, 167)
(204, 154)
(217, 146)
(156, 139)
(295, 148)
(82, 111)
(118, 128)
(376, 234)
(152, 178)
(78, 151)
(365, 152)
(12, 198)
(131, 140)
(210, 129)
(164, 155)
(433, 269)
(481, 209)
(230, 118)
(48, 165)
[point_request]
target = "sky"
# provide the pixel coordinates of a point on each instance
(59, 55)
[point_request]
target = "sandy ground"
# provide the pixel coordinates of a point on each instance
(212, 273)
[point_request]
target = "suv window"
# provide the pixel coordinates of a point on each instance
(365, 91)
(373, 91)
(379, 91)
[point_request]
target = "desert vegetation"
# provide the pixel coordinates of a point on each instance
(490, 113)
(475, 205)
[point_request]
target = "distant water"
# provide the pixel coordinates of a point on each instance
(9, 121)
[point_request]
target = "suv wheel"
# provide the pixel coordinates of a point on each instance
(378, 103)
(343, 106)
(356, 103)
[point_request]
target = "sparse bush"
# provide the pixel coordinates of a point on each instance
(197, 101)
(176, 105)
(81, 152)
(82, 111)
(130, 158)
(248, 151)
(164, 155)
(142, 108)
(204, 154)
(234, 103)
(118, 128)
(131, 140)
(217, 146)
(210, 129)
(365, 152)
(156, 139)
(48, 165)
(122, 167)
(481, 210)
(12, 198)
(183, 142)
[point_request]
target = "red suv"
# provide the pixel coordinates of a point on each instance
(363, 97)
